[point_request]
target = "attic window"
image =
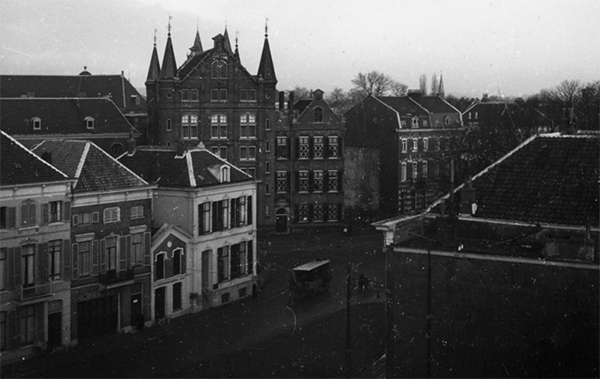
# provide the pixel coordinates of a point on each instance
(89, 122)
(318, 114)
(37, 123)
(415, 122)
(225, 174)
(447, 120)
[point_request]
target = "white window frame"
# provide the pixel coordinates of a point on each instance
(36, 123)
(415, 122)
(404, 145)
(137, 211)
(112, 214)
(89, 122)
(415, 147)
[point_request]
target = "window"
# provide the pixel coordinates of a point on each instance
(303, 181)
(318, 114)
(282, 148)
(217, 94)
(248, 153)
(303, 213)
(111, 253)
(225, 213)
(252, 95)
(242, 259)
(268, 146)
(27, 329)
(220, 151)
(248, 126)
(28, 265)
(318, 181)
(415, 172)
(447, 120)
(225, 174)
(55, 208)
(268, 124)
(223, 263)
(159, 266)
(332, 181)
(136, 249)
(3, 331)
(169, 125)
(267, 167)
(220, 215)
(244, 95)
(223, 94)
(415, 146)
(185, 95)
(267, 190)
(54, 259)
(28, 214)
(425, 123)
(476, 115)
(177, 261)
(177, 296)
(303, 147)
(204, 211)
(7, 217)
(469, 115)
(112, 215)
(318, 147)
(218, 126)
(425, 144)
(403, 172)
(318, 213)
(251, 171)
(242, 211)
(137, 211)
(332, 212)
(36, 123)
(332, 149)
(218, 69)
(425, 169)
(84, 262)
(404, 145)
(415, 122)
(194, 96)
(437, 144)
(3, 268)
(403, 124)
(189, 126)
(89, 122)
(281, 181)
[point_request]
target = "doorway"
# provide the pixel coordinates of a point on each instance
(281, 221)
(159, 303)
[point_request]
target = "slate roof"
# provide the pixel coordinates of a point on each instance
(301, 105)
(189, 65)
(436, 104)
(549, 179)
(68, 86)
(93, 168)
(163, 167)
(18, 165)
(404, 105)
(61, 116)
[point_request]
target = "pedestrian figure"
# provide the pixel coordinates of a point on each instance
(362, 282)
(254, 291)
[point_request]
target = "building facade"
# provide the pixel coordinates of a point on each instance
(212, 98)
(35, 261)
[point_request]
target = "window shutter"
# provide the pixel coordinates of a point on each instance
(249, 213)
(11, 330)
(340, 149)
(200, 220)
(66, 260)
(102, 256)
(75, 220)
(250, 253)
(169, 260)
(42, 263)
(74, 252)
(122, 253)
(220, 265)
(289, 148)
(215, 217)
(33, 213)
(232, 213)
(95, 217)
(66, 210)
(146, 245)
(340, 180)
(10, 263)
(45, 213)
(183, 261)
(12, 217)
(95, 258)
(17, 266)
(128, 251)
(24, 215)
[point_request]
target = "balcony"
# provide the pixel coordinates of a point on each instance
(34, 292)
(114, 278)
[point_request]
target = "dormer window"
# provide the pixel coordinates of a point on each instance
(89, 122)
(415, 122)
(225, 174)
(318, 114)
(447, 120)
(37, 123)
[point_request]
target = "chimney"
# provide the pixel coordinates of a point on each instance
(130, 145)
(291, 102)
(281, 100)
(181, 149)
(415, 94)
(468, 207)
(567, 123)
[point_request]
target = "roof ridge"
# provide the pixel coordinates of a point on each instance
(34, 154)
(119, 163)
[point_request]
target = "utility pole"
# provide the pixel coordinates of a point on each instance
(348, 333)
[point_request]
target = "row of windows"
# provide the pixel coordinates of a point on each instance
(416, 170)
(422, 144)
(27, 263)
(225, 214)
(27, 326)
(306, 213)
(218, 122)
(316, 181)
(54, 211)
(166, 267)
(36, 123)
(92, 259)
(235, 261)
(317, 147)
(412, 201)
(110, 215)
(415, 122)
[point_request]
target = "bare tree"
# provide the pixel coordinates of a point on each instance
(568, 90)
(399, 89)
(434, 85)
(301, 93)
(374, 83)
(340, 101)
(423, 84)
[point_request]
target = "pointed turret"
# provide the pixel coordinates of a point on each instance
(154, 70)
(237, 52)
(226, 43)
(197, 47)
(266, 69)
(169, 66)
(441, 87)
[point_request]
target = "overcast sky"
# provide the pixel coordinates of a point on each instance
(516, 47)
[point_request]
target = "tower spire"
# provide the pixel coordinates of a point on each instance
(154, 69)
(169, 66)
(266, 69)
(226, 42)
(441, 86)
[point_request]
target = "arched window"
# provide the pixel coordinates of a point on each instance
(318, 114)
(218, 69)
(415, 122)
(89, 122)
(36, 122)
(268, 124)
(447, 120)
(189, 126)
(224, 174)
(218, 126)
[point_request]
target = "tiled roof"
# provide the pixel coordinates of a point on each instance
(18, 165)
(196, 169)
(403, 105)
(436, 104)
(61, 116)
(301, 105)
(65, 86)
(550, 179)
(188, 66)
(93, 168)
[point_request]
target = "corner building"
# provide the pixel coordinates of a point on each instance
(212, 98)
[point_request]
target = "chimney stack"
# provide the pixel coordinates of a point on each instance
(468, 207)
(281, 100)
(291, 102)
(415, 94)
(130, 145)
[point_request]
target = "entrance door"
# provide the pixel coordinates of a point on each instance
(159, 303)
(55, 329)
(281, 218)
(136, 308)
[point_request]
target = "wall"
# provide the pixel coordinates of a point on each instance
(361, 182)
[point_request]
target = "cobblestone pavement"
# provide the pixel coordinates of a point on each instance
(180, 348)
